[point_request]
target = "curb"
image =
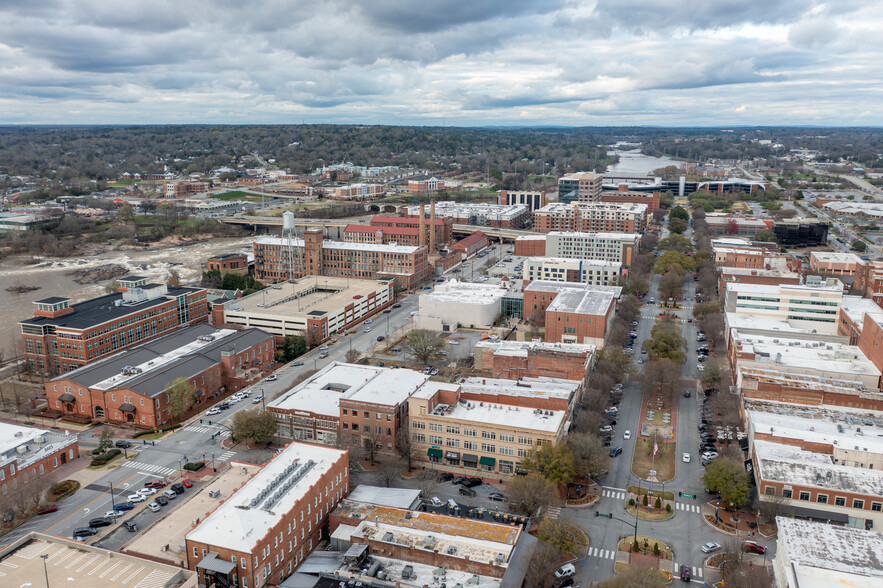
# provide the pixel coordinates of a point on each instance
(586, 505)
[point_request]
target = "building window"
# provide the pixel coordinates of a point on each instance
(839, 501)
(876, 506)
(770, 491)
(822, 499)
(786, 493)
(858, 503)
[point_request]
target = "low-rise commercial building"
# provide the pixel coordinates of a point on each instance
(543, 392)
(768, 277)
(229, 262)
(840, 264)
(809, 553)
(814, 304)
(264, 530)
(28, 453)
(851, 319)
(313, 307)
(455, 303)
(720, 223)
(519, 359)
(572, 313)
(591, 217)
(472, 244)
(132, 387)
(63, 335)
(278, 259)
(559, 269)
(617, 247)
(491, 215)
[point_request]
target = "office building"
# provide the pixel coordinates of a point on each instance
(625, 196)
(617, 247)
(455, 303)
(523, 359)
(29, 453)
(591, 217)
(442, 228)
(532, 200)
(801, 232)
(560, 269)
(63, 335)
(579, 187)
(813, 305)
(720, 223)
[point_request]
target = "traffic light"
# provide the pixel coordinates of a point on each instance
(597, 514)
(680, 493)
(609, 515)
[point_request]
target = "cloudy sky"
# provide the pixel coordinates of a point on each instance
(432, 62)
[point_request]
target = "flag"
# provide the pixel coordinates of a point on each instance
(655, 447)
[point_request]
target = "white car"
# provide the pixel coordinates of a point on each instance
(367, 329)
(710, 455)
(686, 458)
(113, 514)
(258, 399)
(213, 411)
(627, 435)
(701, 367)
(710, 546)
(271, 378)
(154, 506)
(136, 498)
(234, 399)
(147, 491)
(369, 321)
(606, 429)
(565, 571)
(453, 342)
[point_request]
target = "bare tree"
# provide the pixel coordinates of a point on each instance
(532, 493)
(635, 577)
(388, 475)
(352, 356)
(770, 507)
(589, 453)
(427, 482)
(371, 437)
(405, 446)
(424, 345)
(545, 560)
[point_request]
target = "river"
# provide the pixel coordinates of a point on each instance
(635, 162)
(51, 275)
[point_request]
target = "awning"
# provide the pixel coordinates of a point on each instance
(487, 461)
(818, 514)
(433, 452)
(127, 408)
(67, 397)
(211, 563)
(469, 458)
(452, 455)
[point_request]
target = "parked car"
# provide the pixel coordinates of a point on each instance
(100, 522)
(80, 532)
(170, 494)
(186, 482)
(687, 393)
(47, 510)
(710, 546)
(472, 482)
(155, 484)
(445, 477)
(130, 525)
(136, 497)
(436, 501)
(153, 506)
(397, 305)
(459, 479)
(162, 500)
(258, 399)
(123, 444)
(381, 338)
(113, 514)
(752, 547)
(606, 429)
(147, 491)
(178, 488)
(615, 451)
(213, 411)
(466, 491)
(272, 378)
(565, 570)
(496, 496)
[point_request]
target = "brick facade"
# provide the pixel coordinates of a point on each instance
(651, 199)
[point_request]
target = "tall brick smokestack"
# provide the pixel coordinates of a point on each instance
(422, 240)
(432, 226)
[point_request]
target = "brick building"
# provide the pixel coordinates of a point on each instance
(424, 184)
(571, 312)
(229, 262)
(278, 259)
(580, 187)
(591, 217)
(266, 528)
(182, 189)
(735, 224)
(359, 191)
(532, 200)
(519, 359)
(28, 453)
(472, 244)
(624, 196)
(442, 233)
(132, 386)
(515, 216)
(530, 246)
(617, 247)
(836, 263)
(409, 236)
(63, 336)
(347, 405)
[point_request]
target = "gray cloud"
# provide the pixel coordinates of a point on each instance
(479, 62)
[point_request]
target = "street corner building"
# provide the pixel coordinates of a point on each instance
(133, 386)
(29, 453)
(269, 525)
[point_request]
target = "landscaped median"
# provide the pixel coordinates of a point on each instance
(645, 552)
(657, 507)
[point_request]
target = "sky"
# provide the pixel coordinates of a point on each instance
(442, 62)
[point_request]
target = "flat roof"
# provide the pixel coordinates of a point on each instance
(452, 208)
(736, 320)
(408, 220)
(624, 237)
(554, 286)
(74, 563)
(342, 245)
(465, 292)
(307, 295)
(834, 256)
(826, 431)
(245, 518)
(856, 307)
(521, 348)
(394, 497)
(830, 285)
(587, 302)
(599, 263)
(627, 207)
(103, 309)
(183, 353)
(831, 547)
(787, 464)
(322, 392)
(517, 417)
(534, 387)
(799, 353)
(371, 229)
(11, 436)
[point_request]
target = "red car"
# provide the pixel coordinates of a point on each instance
(155, 484)
(686, 573)
(187, 483)
(47, 510)
(752, 547)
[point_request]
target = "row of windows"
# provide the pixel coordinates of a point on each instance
(823, 499)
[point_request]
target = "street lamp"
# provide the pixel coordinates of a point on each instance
(112, 505)
(44, 557)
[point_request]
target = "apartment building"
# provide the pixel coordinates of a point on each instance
(580, 187)
(132, 387)
(182, 188)
(591, 217)
(312, 307)
(278, 259)
(617, 247)
(440, 234)
(507, 216)
(487, 439)
(28, 454)
(359, 191)
(532, 200)
(625, 196)
(813, 304)
(423, 184)
(409, 236)
(561, 269)
(63, 335)
(265, 529)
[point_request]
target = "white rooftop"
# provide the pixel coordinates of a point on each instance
(322, 392)
(832, 256)
(787, 464)
(554, 286)
(521, 348)
(818, 430)
(425, 575)
(537, 237)
(799, 353)
(534, 387)
(466, 292)
(589, 301)
(446, 208)
(155, 363)
(624, 237)
(594, 263)
(244, 519)
(830, 285)
(342, 245)
(517, 417)
(748, 321)
(394, 497)
(11, 436)
(856, 307)
(833, 548)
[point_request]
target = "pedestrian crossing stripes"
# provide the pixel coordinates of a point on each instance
(149, 467)
(553, 512)
(199, 429)
(602, 553)
(697, 572)
(614, 494)
(687, 507)
(225, 456)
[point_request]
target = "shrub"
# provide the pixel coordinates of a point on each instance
(658, 503)
(667, 508)
(656, 549)
(645, 501)
(96, 451)
(105, 457)
(63, 489)
(631, 502)
(194, 466)
(635, 547)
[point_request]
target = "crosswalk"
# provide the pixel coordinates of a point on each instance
(225, 456)
(697, 572)
(602, 553)
(199, 429)
(149, 467)
(611, 493)
(553, 512)
(687, 507)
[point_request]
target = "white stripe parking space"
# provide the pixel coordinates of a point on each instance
(602, 553)
(149, 467)
(697, 572)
